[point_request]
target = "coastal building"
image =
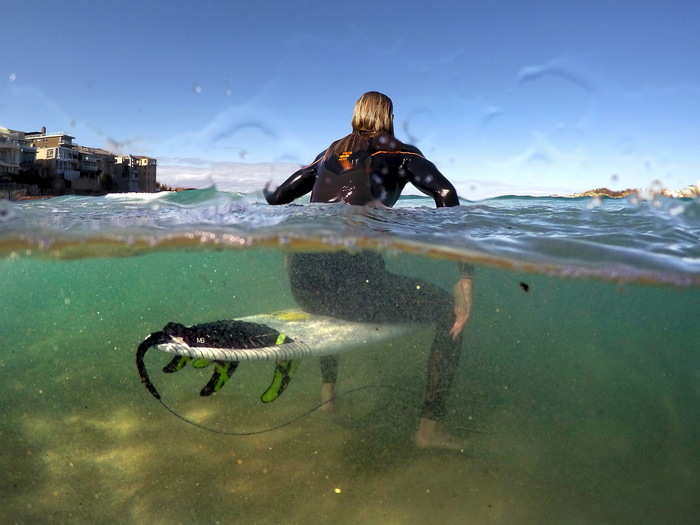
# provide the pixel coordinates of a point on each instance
(105, 166)
(38, 162)
(128, 173)
(146, 167)
(57, 158)
(10, 154)
(17, 172)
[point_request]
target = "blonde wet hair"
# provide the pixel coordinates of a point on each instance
(373, 114)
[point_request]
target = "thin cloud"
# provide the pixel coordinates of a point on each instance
(555, 68)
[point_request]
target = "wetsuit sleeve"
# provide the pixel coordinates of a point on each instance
(299, 183)
(425, 176)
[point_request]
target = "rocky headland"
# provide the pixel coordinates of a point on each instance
(691, 191)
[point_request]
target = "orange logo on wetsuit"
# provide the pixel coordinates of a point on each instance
(344, 159)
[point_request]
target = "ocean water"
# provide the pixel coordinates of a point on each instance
(577, 399)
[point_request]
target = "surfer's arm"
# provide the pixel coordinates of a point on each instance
(299, 183)
(427, 178)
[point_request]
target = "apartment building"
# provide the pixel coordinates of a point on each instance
(16, 154)
(99, 164)
(127, 177)
(57, 157)
(146, 167)
(58, 165)
(9, 154)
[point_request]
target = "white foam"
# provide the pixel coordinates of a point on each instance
(136, 196)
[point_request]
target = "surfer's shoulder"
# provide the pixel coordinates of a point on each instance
(393, 146)
(409, 148)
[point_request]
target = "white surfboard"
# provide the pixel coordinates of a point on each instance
(313, 335)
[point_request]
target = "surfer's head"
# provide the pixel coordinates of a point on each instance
(373, 114)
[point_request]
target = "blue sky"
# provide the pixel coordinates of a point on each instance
(502, 96)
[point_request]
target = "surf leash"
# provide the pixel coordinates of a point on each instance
(240, 335)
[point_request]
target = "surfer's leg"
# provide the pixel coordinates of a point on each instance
(329, 368)
(329, 376)
(316, 282)
(419, 301)
(442, 365)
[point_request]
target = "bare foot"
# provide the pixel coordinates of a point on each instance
(328, 397)
(430, 434)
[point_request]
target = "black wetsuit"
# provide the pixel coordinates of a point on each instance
(357, 287)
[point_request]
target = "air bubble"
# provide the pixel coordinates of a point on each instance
(196, 89)
(12, 77)
(428, 179)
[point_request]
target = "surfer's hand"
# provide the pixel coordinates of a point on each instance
(268, 193)
(463, 304)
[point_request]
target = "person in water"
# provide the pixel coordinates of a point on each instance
(371, 167)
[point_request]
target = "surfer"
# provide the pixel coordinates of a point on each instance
(371, 167)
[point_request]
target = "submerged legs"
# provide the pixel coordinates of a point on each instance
(357, 287)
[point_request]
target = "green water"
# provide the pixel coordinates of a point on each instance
(578, 401)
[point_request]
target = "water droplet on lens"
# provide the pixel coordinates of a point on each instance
(595, 202)
(6, 211)
(614, 177)
(656, 186)
(196, 89)
(228, 92)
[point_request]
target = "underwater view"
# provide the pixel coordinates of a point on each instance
(575, 397)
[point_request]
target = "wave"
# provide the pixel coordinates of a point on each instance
(651, 242)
